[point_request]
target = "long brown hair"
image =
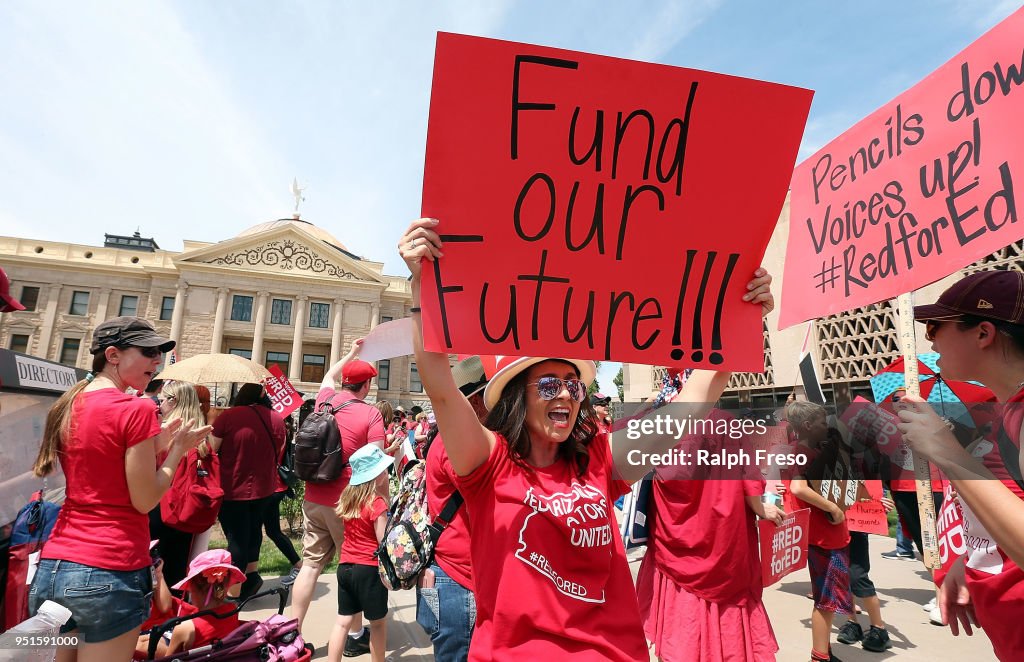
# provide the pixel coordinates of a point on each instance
(58, 422)
(508, 418)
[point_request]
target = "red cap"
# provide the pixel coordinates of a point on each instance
(357, 372)
(997, 295)
(8, 304)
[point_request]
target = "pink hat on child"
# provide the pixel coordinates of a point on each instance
(213, 565)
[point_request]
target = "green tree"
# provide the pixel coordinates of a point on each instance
(618, 384)
(593, 386)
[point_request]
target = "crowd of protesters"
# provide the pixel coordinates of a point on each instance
(530, 565)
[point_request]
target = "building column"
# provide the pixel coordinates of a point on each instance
(339, 315)
(374, 315)
(101, 307)
(179, 311)
(261, 320)
(99, 317)
(217, 344)
(49, 320)
(295, 364)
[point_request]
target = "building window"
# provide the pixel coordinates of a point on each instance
(244, 353)
(280, 311)
(69, 351)
(415, 385)
(318, 314)
(313, 367)
(166, 308)
(241, 308)
(383, 375)
(19, 343)
(280, 358)
(129, 306)
(79, 303)
(385, 318)
(29, 297)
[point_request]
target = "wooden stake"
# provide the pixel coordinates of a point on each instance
(922, 470)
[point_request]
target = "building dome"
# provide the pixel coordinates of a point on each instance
(319, 233)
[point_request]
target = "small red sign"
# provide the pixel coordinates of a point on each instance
(283, 396)
(784, 547)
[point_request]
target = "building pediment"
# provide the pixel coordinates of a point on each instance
(283, 251)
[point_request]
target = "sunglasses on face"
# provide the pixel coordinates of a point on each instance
(931, 327)
(150, 352)
(548, 388)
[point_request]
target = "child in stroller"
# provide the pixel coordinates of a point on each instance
(209, 627)
(209, 577)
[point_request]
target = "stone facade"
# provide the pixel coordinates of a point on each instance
(213, 297)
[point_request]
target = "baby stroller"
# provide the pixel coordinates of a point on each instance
(276, 639)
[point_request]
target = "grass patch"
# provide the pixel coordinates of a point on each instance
(272, 561)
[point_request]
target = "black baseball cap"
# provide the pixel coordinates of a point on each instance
(128, 332)
(996, 295)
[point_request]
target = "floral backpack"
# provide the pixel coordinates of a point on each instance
(407, 548)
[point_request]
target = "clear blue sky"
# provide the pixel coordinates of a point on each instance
(188, 120)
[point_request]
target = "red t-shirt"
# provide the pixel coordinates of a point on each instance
(705, 538)
(360, 541)
(995, 582)
(452, 551)
(178, 608)
(550, 571)
(248, 455)
(822, 532)
(359, 424)
(98, 526)
(209, 628)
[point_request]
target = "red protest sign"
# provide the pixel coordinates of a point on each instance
(283, 396)
(784, 547)
(595, 207)
(918, 189)
(869, 516)
(949, 522)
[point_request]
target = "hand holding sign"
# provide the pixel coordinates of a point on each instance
(598, 218)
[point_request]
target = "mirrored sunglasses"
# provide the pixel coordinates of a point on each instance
(548, 388)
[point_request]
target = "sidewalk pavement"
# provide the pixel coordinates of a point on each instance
(903, 587)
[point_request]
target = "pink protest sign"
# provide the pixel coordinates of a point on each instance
(784, 547)
(283, 396)
(923, 186)
(869, 516)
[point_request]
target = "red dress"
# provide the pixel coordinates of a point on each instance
(699, 585)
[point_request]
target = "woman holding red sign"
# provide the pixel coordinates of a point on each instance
(539, 485)
(977, 327)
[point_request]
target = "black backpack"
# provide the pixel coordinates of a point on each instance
(318, 451)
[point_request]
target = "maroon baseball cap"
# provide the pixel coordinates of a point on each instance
(996, 295)
(357, 372)
(8, 304)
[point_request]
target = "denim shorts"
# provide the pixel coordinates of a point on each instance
(104, 604)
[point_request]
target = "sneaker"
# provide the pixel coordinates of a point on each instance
(877, 640)
(356, 646)
(850, 633)
(928, 606)
(289, 579)
(936, 616)
(898, 554)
